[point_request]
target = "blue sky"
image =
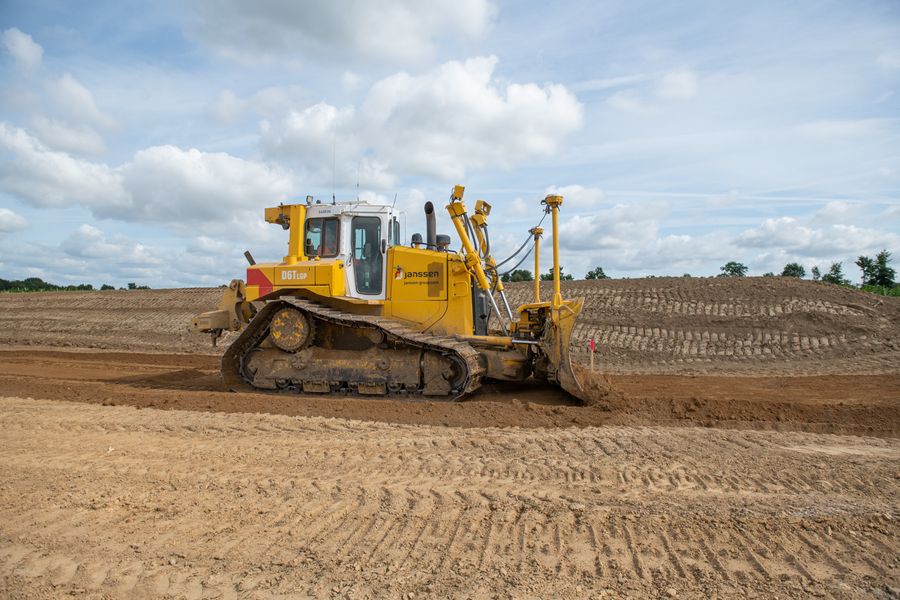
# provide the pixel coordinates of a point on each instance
(140, 142)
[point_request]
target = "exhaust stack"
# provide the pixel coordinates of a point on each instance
(430, 227)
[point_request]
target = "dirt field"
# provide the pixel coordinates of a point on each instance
(751, 448)
(146, 503)
(751, 326)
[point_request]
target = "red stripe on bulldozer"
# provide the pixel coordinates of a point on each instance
(256, 277)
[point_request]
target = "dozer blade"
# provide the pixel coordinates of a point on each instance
(555, 345)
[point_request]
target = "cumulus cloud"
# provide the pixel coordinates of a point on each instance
(437, 124)
(167, 184)
(89, 254)
(162, 184)
(10, 221)
(618, 227)
(788, 233)
(837, 211)
(25, 51)
(77, 102)
(577, 197)
(628, 237)
(89, 242)
(391, 31)
(44, 177)
(62, 136)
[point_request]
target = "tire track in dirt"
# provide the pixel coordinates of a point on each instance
(129, 502)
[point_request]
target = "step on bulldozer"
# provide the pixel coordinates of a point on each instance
(352, 310)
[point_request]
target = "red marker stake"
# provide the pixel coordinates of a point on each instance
(592, 355)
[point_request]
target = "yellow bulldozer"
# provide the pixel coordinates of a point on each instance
(352, 310)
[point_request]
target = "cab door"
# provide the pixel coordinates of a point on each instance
(368, 242)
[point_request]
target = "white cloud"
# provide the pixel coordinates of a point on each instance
(10, 221)
(439, 124)
(89, 242)
(77, 101)
(679, 84)
(44, 177)
(62, 136)
(164, 184)
(170, 185)
(787, 233)
(619, 227)
(577, 197)
(207, 245)
(838, 211)
(392, 30)
(306, 134)
(26, 52)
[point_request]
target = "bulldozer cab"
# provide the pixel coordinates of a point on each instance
(358, 234)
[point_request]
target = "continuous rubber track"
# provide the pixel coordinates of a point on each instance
(117, 502)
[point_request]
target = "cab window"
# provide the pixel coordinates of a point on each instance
(322, 237)
(367, 258)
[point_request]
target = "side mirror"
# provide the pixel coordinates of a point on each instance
(383, 245)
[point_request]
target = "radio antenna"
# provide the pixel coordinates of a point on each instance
(395, 201)
(333, 175)
(357, 181)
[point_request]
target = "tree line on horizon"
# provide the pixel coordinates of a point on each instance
(877, 274)
(36, 284)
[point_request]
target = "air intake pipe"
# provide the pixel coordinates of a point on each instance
(430, 227)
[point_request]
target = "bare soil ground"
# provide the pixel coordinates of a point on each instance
(847, 404)
(749, 449)
(113, 501)
(721, 326)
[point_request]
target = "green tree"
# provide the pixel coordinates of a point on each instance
(768, 274)
(106, 286)
(517, 275)
(794, 270)
(884, 274)
(548, 276)
(816, 273)
(878, 271)
(596, 273)
(867, 266)
(835, 275)
(733, 269)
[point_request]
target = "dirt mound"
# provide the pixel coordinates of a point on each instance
(757, 325)
(768, 325)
